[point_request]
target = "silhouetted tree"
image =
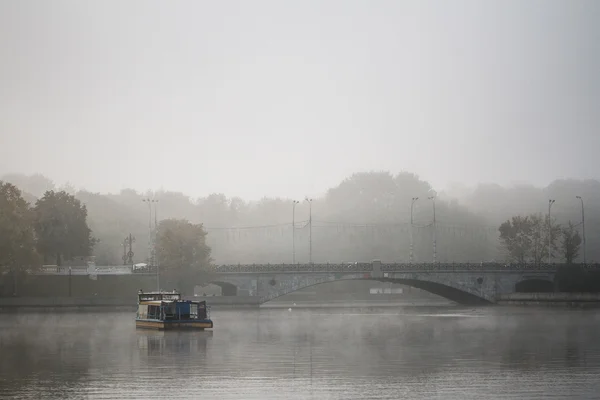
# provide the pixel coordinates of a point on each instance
(526, 239)
(571, 241)
(17, 238)
(61, 227)
(516, 236)
(181, 250)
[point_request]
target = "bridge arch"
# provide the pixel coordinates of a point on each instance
(227, 288)
(448, 292)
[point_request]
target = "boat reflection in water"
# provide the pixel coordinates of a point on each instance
(161, 343)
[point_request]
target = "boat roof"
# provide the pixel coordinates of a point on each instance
(157, 302)
(159, 292)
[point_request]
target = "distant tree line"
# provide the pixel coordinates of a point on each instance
(366, 216)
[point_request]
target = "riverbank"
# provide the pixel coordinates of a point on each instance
(354, 303)
(569, 300)
(81, 303)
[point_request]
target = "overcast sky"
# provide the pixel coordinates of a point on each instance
(287, 98)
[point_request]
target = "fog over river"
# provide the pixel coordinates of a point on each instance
(362, 353)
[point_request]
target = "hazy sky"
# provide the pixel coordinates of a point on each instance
(287, 98)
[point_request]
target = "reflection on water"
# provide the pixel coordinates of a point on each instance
(446, 353)
(154, 343)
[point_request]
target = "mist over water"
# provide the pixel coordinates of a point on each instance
(409, 353)
(193, 134)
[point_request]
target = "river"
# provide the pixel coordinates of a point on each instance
(362, 353)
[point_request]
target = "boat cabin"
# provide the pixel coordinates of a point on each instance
(168, 306)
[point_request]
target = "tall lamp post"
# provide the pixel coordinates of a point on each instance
(309, 229)
(294, 230)
(154, 257)
(550, 202)
(583, 226)
(432, 198)
(151, 245)
(412, 204)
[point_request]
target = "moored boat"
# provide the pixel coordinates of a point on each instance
(166, 310)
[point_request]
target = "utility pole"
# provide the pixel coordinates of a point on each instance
(130, 240)
(432, 198)
(128, 255)
(294, 230)
(550, 202)
(156, 215)
(583, 225)
(309, 229)
(412, 204)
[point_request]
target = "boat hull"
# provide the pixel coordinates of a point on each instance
(173, 325)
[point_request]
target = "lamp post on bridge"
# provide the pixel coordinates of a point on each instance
(583, 226)
(412, 204)
(151, 242)
(432, 198)
(309, 229)
(550, 202)
(294, 230)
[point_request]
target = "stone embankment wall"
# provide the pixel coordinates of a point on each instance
(7, 303)
(551, 299)
(120, 286)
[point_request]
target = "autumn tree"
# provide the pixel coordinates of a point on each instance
(61, 227)
(570, 243)
(516, 237)
(17, 238)
(182, 252)
(526, 239)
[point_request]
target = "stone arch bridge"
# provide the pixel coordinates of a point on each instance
(461, 283)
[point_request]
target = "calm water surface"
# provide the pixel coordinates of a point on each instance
(433, 353)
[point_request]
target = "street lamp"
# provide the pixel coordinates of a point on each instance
(550, 202)
(412, 204)
(432, 198)
(155, 215)
(309, 229)
(151, 245)
(294, 202)
(583, 225)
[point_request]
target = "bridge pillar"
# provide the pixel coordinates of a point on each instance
(377, 269)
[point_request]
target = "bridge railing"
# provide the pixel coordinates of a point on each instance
(441, 267)
(355, 267)
(82, 270)
(389, 267)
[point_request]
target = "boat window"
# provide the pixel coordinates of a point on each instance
(142, 312)
(153, 312)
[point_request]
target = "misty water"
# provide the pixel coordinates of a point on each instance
(361, 353)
